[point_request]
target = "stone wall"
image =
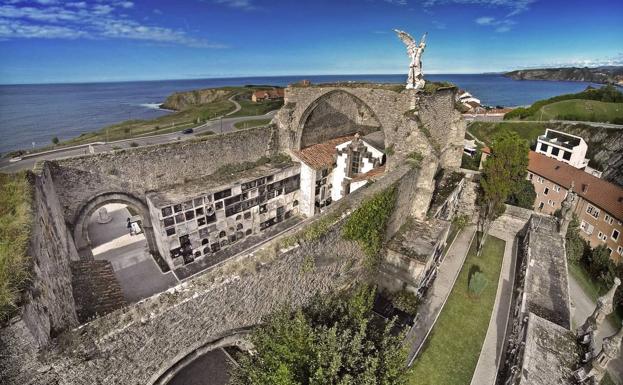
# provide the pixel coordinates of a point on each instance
(411, 121)
(137, 344)
(49, 308)
(149, 168)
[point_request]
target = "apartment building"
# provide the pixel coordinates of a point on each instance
(600, 205)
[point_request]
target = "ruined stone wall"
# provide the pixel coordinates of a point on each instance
(48, 307)
(411, 121)
(149, 168)
(137, 344)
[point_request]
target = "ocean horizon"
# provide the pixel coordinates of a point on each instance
(32, 114)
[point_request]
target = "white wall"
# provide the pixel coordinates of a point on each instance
(307, 192)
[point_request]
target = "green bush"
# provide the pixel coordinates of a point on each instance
(15, 218)
(406, 301)
(55, 140)
(523, 195)
(477, 283)
(367, 224)
(134, 144)
(335, 340)
(460, 221)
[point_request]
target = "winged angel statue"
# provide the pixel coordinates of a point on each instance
(415, 51)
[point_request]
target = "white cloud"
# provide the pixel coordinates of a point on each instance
(514, 6)
(246, 5)
(501, 25)
(397, 2)
(80, 20)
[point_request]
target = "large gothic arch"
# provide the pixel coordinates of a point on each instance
(333, 114)
(81, 221)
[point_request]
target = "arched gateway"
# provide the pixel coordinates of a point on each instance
(81, 221)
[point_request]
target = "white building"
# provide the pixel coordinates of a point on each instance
(564, 147)
(337, 167)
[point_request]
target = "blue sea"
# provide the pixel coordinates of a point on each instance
(36, 113)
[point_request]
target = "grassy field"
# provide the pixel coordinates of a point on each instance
(15, 218)
(252, 123)
(485, 131)
(452, 349)
(250, 108)
(582, 110)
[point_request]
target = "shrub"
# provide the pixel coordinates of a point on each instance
(460, 221)
(477, 282)
(415, 158)
(55, 140)
(367, 224)
(406, 301)
(133, 144)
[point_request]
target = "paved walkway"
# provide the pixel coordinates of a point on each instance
(581, 307)
(138, 274)
(505, 228)
(429, 309)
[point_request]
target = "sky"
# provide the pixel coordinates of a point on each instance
(51, 41)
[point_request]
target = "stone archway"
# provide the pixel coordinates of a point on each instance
(334, 114)
(81, 234)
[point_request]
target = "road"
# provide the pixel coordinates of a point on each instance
(220, 125)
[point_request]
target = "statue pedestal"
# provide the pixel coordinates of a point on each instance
(103, 216)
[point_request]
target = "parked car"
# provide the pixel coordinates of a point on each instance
(188, 131)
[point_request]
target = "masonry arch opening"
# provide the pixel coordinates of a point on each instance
(336, 114)
(117, 228)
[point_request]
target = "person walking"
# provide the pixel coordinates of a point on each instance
(129, 226)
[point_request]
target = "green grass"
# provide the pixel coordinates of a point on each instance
(250, 108)
(591, 288)
(581, 110)
(452, 350)
(251, 123)
(607, 380)
(15, 219)
(485, 131)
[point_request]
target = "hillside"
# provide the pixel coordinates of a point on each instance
(180, 101)
(605, 75)
(605, 145)
(581, 110)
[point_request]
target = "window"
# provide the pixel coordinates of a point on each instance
(545, 191)
(541, 206)
(556, 188)
(620, 250)
(615, 234)
(544, 147)
(609, 251)
(530, 175)
(553, 203)
(594, 211)
(540, 180)
(555, 151)
(602, 236)
(607, 218)
(355, 161)
(586, 227)
(566, 155)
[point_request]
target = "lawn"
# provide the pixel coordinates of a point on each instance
(582, 110)
(485, 131)
(250, 108)
(251, 123)
(452, 350)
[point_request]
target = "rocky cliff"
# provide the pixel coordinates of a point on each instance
(612, 74)
(180, 101)
(605, 149)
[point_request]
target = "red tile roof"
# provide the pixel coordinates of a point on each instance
(605, 195)
(276, 93)
(321, 155)
(370, 174)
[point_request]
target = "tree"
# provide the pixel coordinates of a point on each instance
(503, 172)
(575, 245)
(333, 341)
(523, 196)
(55, 140)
